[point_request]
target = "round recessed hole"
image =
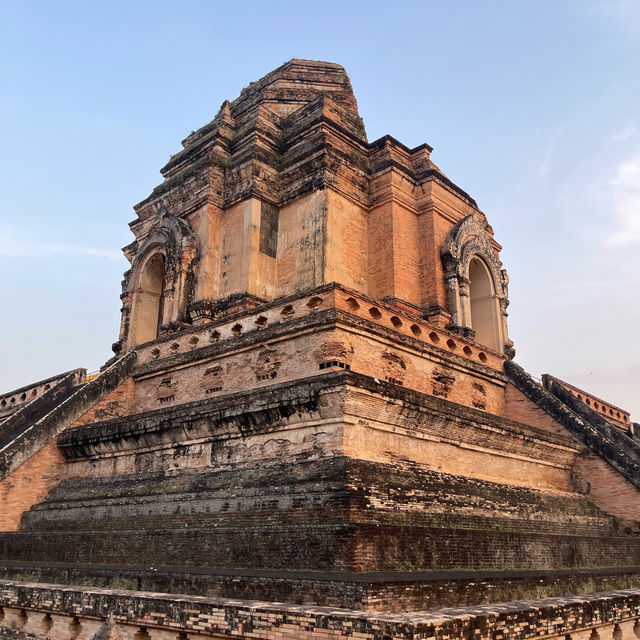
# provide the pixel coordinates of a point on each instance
(314, 302)
(352, 303)
(236, 329)
(155, 353)
(434, 337)
(261, 321)
(193, 341)
(588, 401)
(396, 322)
(467, 350)
(482, 356)
(287, 311)
(416, 330)
(451, 344)
(596, 405)
(34, 393)
(23, 397)
(374, 312)
(174, 347)
(214, 336)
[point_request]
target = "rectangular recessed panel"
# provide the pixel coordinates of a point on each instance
(269, 229)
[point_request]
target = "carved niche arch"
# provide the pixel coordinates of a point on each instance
(160, 284)
(477, 285)
(149, 298)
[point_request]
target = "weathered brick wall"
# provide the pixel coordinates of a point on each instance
(304, 490)
(29, 484)
(607, 488)
(116, 404)
(252, 359)
(324, 515)
(413, 426)
(386, 548)
(453, 439)
(346, 245)
(292, 546)
(521, 409)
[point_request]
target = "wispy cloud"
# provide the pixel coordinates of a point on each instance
(622, 135)
(14, 248)
(625, 186)
(547, 156)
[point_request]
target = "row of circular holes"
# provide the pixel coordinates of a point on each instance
(602, 408)
(23, 397)
(313, 303)
(214, 336)
(375, 313)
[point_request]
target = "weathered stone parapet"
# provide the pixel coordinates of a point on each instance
(37, 434)
(52, 394)
(14, 400)
(42, 610)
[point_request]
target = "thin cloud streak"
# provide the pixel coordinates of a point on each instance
(547, 158)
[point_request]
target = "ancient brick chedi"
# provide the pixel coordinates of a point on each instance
(313, 425)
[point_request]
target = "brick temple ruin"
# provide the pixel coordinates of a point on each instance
(313, 426)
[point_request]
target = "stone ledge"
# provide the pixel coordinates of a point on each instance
(299, 393)
(374, 591)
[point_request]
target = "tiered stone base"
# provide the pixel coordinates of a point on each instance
(332, 514)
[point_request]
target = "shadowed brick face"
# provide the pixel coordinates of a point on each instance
(319, 428)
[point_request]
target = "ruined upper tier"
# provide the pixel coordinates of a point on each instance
(282, 193)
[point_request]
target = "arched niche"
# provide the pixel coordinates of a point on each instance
(484, 305)
(477, 286)
(160, 282)
(148, 302)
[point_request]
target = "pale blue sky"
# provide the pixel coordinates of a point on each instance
(532, 107)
